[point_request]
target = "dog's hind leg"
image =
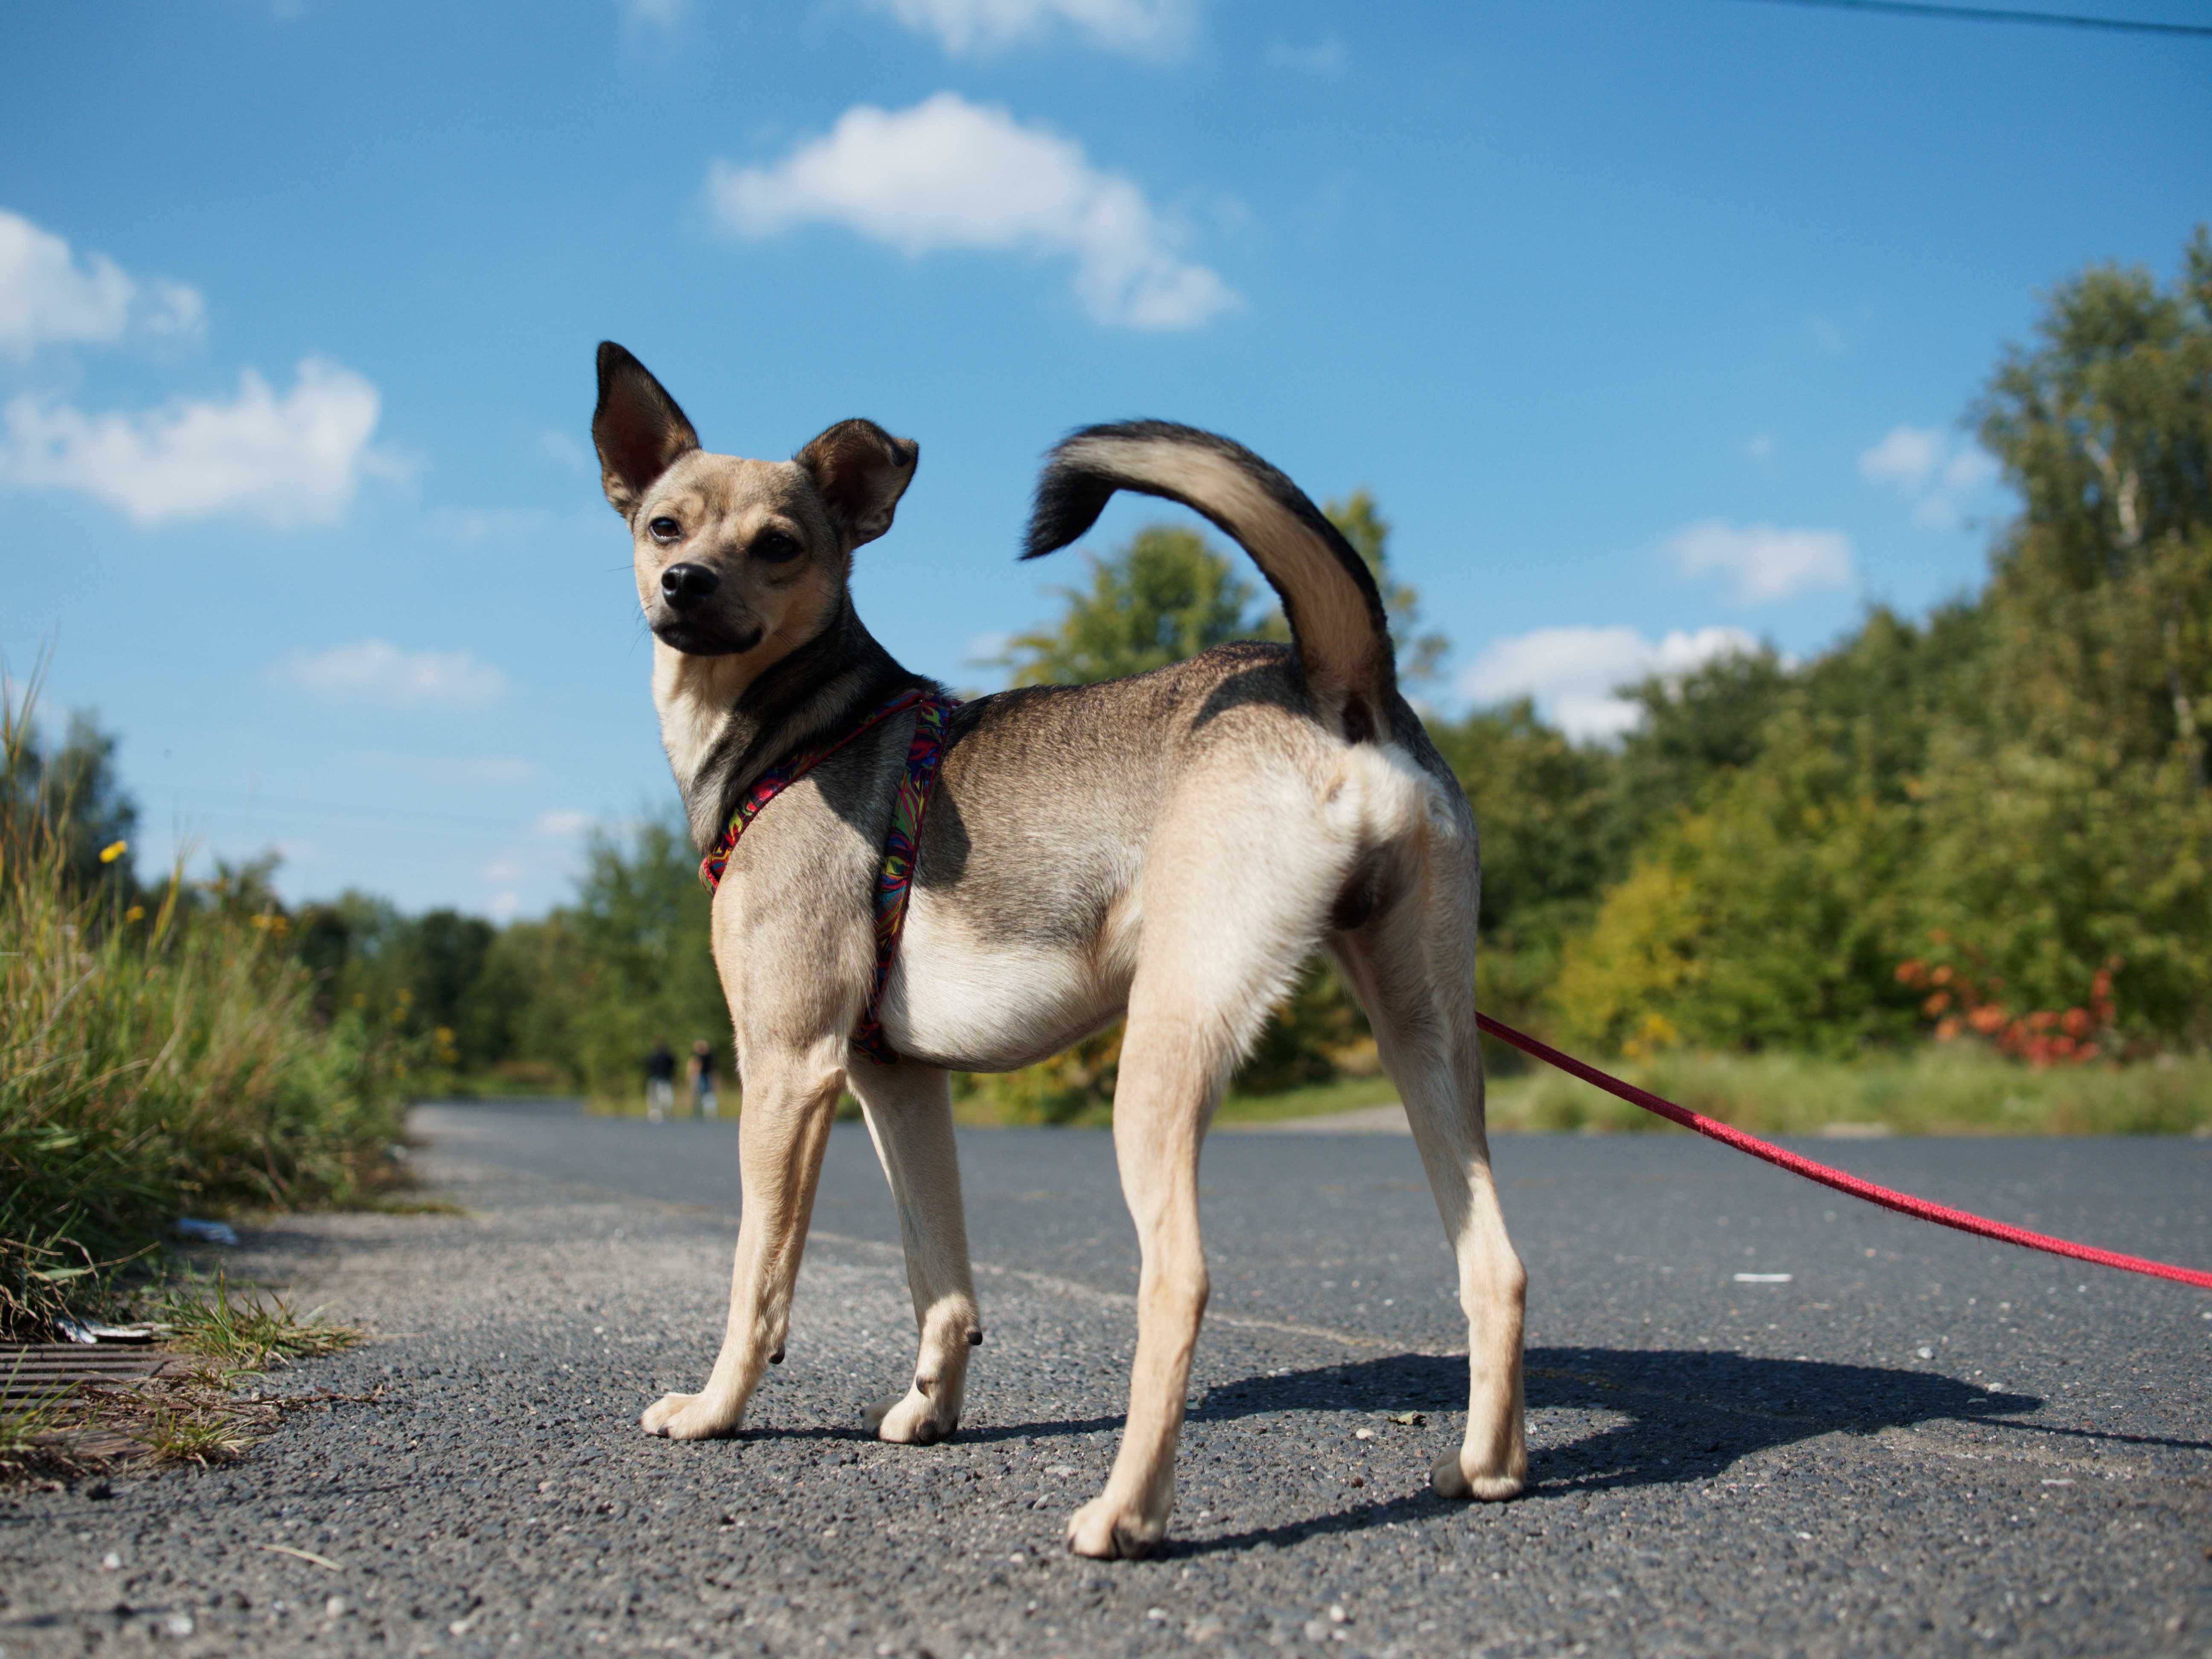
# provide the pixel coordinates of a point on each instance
(909, 1108)
(789, 1105)
(1200, 993)
(1168, 1087)
(1414, 969)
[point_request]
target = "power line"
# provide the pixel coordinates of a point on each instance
(1994, 15)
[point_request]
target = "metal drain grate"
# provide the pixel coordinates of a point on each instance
(35, 1370)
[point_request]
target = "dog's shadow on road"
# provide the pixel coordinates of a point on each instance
(1690, 1416)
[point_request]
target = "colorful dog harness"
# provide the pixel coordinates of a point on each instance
(895, 877)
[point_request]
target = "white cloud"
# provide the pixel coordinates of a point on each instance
(1573, 672)
(948, 173)
(1944, 474)
(1972, 468)
(1760, 446)
(48, 296)
(985, 650)
(1905, 457)
(378, 668)
(1767, 563)
(1150, 27)
(294, 459)
(561, 824)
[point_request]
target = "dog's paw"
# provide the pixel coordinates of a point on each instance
(682, 1416)
(1447, 1478)
(1108, 1531)
(913, 1420)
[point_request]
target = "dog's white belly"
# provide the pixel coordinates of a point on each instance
(982, 1005)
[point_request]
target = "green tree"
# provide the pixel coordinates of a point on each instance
(351, 947)
(1773, 918)
(528, 1005)
(2020, 779)
(639, 932)
(1166, 595)
(2103, 586)
(2070, 821)
(2047, 861)
(1695, 729)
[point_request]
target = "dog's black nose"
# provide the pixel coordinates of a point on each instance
(684, 584)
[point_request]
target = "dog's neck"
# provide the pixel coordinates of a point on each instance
(726, 719)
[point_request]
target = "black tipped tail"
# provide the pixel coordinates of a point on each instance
(1328, 594)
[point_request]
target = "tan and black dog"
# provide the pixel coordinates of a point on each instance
(1169, 848)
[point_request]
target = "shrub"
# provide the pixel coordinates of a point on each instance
(157, 1057)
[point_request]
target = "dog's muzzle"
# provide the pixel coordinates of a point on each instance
(684, 620)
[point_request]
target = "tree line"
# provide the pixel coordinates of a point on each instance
(1990, 826)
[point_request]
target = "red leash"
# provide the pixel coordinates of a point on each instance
(1903, 1203)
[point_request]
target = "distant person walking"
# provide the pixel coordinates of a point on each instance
(702, 1078)
(659, 1081)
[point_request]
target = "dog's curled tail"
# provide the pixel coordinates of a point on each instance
(1328, 594)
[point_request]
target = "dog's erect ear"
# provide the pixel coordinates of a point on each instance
(860, 470)
(637, 428)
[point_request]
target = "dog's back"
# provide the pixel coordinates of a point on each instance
(1041, 858)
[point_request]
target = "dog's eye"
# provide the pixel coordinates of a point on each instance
(776, 547)
(665, 530)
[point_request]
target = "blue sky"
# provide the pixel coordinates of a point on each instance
(1650, 322)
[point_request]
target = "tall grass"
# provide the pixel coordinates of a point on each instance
(1932, 1090)
(156, 1058)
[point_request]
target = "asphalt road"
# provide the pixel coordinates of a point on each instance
(1918, 1443)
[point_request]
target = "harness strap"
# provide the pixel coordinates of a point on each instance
(895, 878)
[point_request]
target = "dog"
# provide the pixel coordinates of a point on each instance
(1169, 849)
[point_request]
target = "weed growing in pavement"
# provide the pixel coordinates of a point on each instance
(242, 1333)
(187, 1427)
(191, 1412)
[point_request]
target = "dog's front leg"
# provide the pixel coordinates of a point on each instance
(909, 1113)
(783, 1128)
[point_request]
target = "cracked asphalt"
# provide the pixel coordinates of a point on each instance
(1916, 1443)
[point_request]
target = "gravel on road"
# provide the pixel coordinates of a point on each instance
(1761, 1419)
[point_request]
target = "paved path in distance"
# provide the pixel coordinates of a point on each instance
(1917, 1443)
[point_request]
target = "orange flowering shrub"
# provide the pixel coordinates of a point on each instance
(1964, 1000)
